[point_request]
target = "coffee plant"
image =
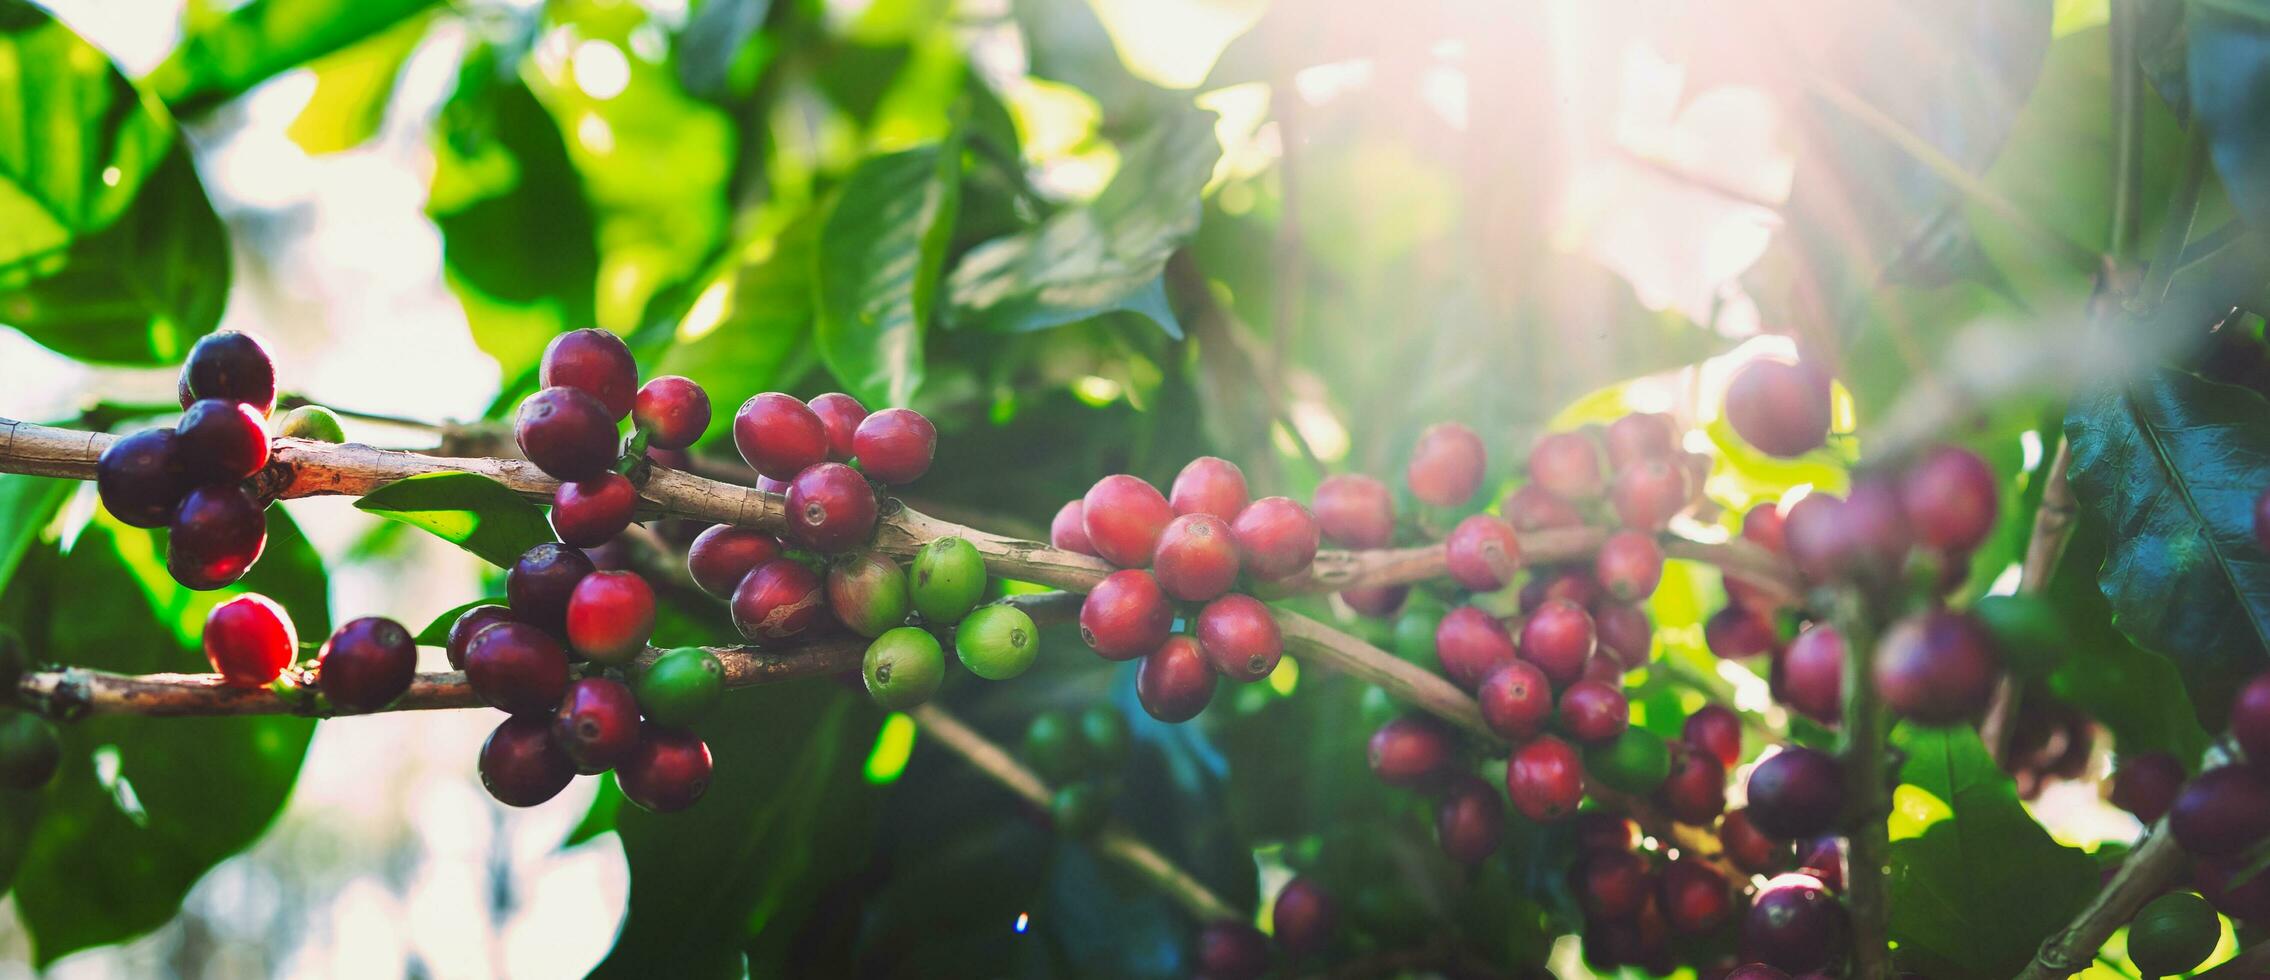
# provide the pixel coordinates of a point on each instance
(1450, 489)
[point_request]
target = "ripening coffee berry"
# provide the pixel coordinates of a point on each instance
(1694, 898)
(1610, 885)
(1558, 638)
(1641, 436)
(724, 554)
(216, 535)
(667, 772)
(220, 441)
(1483, 554)
(2173, 934)
(589, 513)
(1796, 925)
(1079, 810)
(1624, 633)
(1068, 530)
(367, 664)
(840, 415)
(1716, 731)
(1126, 615)
(1809, 675)
(1762, 526)
(1469, 820)
(139, 478)
(1599, 831)
(1197, 557)
(1240, 637)
(516, 667)
(2250, 720)
(1354, 511)
(229, 365)
(541, 582)
(1948, 498)
(469, 624)
(766, 484)
(1124, 517)
(1276, 537)
(1593, 712)
(673, 410)
(595, 362)
(520, 763)
(1695, 791)
(1737, 633)
(1797, 792)
(1174, 681)
(2146, 784)
(1209, 485)
(903, 668)
(777, 601)
(778, 435)
(679, 687)
(596, 725)
(30, 751)
(1567, 464)
(1637, 762)
(1409, 751)
(1813, 531)
(566, 433)
(610, 616)
(1304, 917)
(1875, 530)
(2221, 811)
(1649, 494)
(948, 579)
(1516, 700)
(1230, 950)
(868, 593)
(1779, 407)
(1534, 508)
(249, 640)
(1376, 601)
(830, 508)
(1446, 465)
(1053, 747)
(1629, 565)
(1104, 730)
(895, 445)
(1750, 850)
(1545, 779)
(997, 642)
(1936, 668)
(1470, 644)
(1823, 858)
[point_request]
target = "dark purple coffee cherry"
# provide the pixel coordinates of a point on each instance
(667, 772)
(2262, 520)
(2221, 812)
(216, 535)
(831, 508)
(1949, 500)
(1174, 682)
(220, 441)
(1695, 792)
(1779, 407)
(229, 365)
(596, 363)
(1209, 485)
(140, 479)
(1750, 850)
(596, 724)
(589, 513)
(2250, 720)
(1823, 858)
(840, 414)
(1240, 637)
(1483, 553)
(518, 668)
(778, 435)
(1739, 633)
(1469, 819)
(673, 410)
(895, 445)
(1809, 676)
(1937, 668)
(367, 664)
(1796, 925)
(469, 624)
(521, 765)
(2146, 784)
(1230, 950)
(1304, 917)
(778, 601)
(1611, 885)
(1694, 898)
(724, 554)
(1875, 529)
(1716, 731)
(540, 583)
(1798, 792)
(1813, 531)
(566, 433)
(1602, 831)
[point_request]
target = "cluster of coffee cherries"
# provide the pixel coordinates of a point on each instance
(571, 428)
(1081, 756)
(2221, 816)
(1302, 920)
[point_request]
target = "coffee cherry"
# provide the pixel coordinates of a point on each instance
(1376, 601)
(610, 616)
(1068, 530)
(779, 600)
(1276, 537)
(1779, 407)
(723, 555)
(1516, 700)
(1624, 633)
(1124, 517)
(868, 593)
(30, 751)
(2222, 811)
(1197, 557)
(1534, 508)
(667, 772)
(1078, 810)
(1750, 850)
(1303, 917)
(1545, 779)
(840, 415)
(591, 512)
(1736, 633)
(1054, 748)
(1446, 465)
(1636, 762)
(1695, 791)
(566, 433)
(1641, 436)
(1760, 971)
(1469, 820)
(1629, 565)
(469, 624)
(2250, 720)
(2262, 520)
(2235, 887)
(1209, 485)
(1566, 464)
(1558, 638)
(1809, 676)
(1240, 637)
(595, 362)
(1875, 530)
(2173, 934)
(778, 435)
(216, 536)
(1796, 925)
(367, 664)
(903, 668)
(1797, 792)
(1948, 499)
(1409, 751)
(1610, 885)
(1593, 712)
(1126, 615)
(1483, 553)
(1354, 511)
(521, 765)
(830, 508)
(249, 640)
(1649, 494)
(680, 686)
(220, 441)
(1232, 951)
(1936, 668)
(895, 445)
(673, 410)
(1105, 732)
(1716, 731)
(516, 667)
(139, 478)
(1600, 831)
(1470, 644)
(232, 366)
(1823, 858)
(997, 642)
(766, 484)
(1174, 682)
(1813, 532)
(596, 725)
(540, 584)
(1694, 898)
(1762, 526)
(2146, 784)
(948, 579)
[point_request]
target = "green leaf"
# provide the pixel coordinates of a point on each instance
(749, 321)
(1975, 883)
(2171, 464)
(436, 633)
(221, 57)
(2135, 693)
(353, 87)
(880, 251)
(2228, 63)
(1068, 43)
(27, 504)
(600, 819)
(468, 510)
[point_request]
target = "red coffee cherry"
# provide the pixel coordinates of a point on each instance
(2221, 812)
(1558, 638)
(595, 362)
(1749, 849)
(1875, 529)
(1355, 511)
(1779, 407)
(1516, 700)
(1795, 924)
(1599, 830)
(1240, 637)
(1649, 494)
(539, 584)
(1068, 530)
(249, 640)
(1694, 898)
(1470, 644)
(895, 445)
(1736, 633)
(1126, 615)
(1695, 792)
(1469, 820)
(591, 512)
(1639, 437)
(673, 410)
(1567, 464)
(667, 772)
(220, 441)
(516, 667)
(1761, 526)
(1409, 750)
(1573, 584)
(2250, 720)
(1545, 779)
(1276, 537)
(367, 664)
(778, 435)
(1446, 465)
(840, 415)
(229, 365)
(610, 616)
(596, 724)
(469, 624)
(1174, 682)
(777, 601)
(1937, 668)
(725, 554)
(766, 484)
(216, 536)
(1624, 633)
(566, 433)
(1232, 951)
(1797, 792)
(1813, 532)
(1303, 917)
(139, 478)
(1948, 498)
(1483, 553)
(1716, 731)
(2146, 784)
(1594, 713)
(1197, 557)
(521, 765)
(1124, 517)
(831, 508)
(1610, 885)
(1376, 601)
(1809, 676)
(1534, 508)
(1629, 565)
(1209, 485)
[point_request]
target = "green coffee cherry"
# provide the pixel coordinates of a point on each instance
(867, 591)
(1636, 762)
(1104, 730)
(311, 422)
(949, 579)
(2173, 934)
(679, 686)
(1077, 810)
(1415, 633)
(1054, 748)
(903, 668)
(30, 751)
(2027, 630)
(997, 642)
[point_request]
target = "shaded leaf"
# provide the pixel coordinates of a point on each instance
(468, 510)
(27, 504)
(353, 87)
(2228, 52)
(880, 250)
(1067, 43)
(713, 40)
(749, 323)
(2135, 693)
(221, 57)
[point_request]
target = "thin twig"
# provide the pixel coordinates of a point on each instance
(2144, 874)
(2053, 526)
(1866, 800)
(2252, 963)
